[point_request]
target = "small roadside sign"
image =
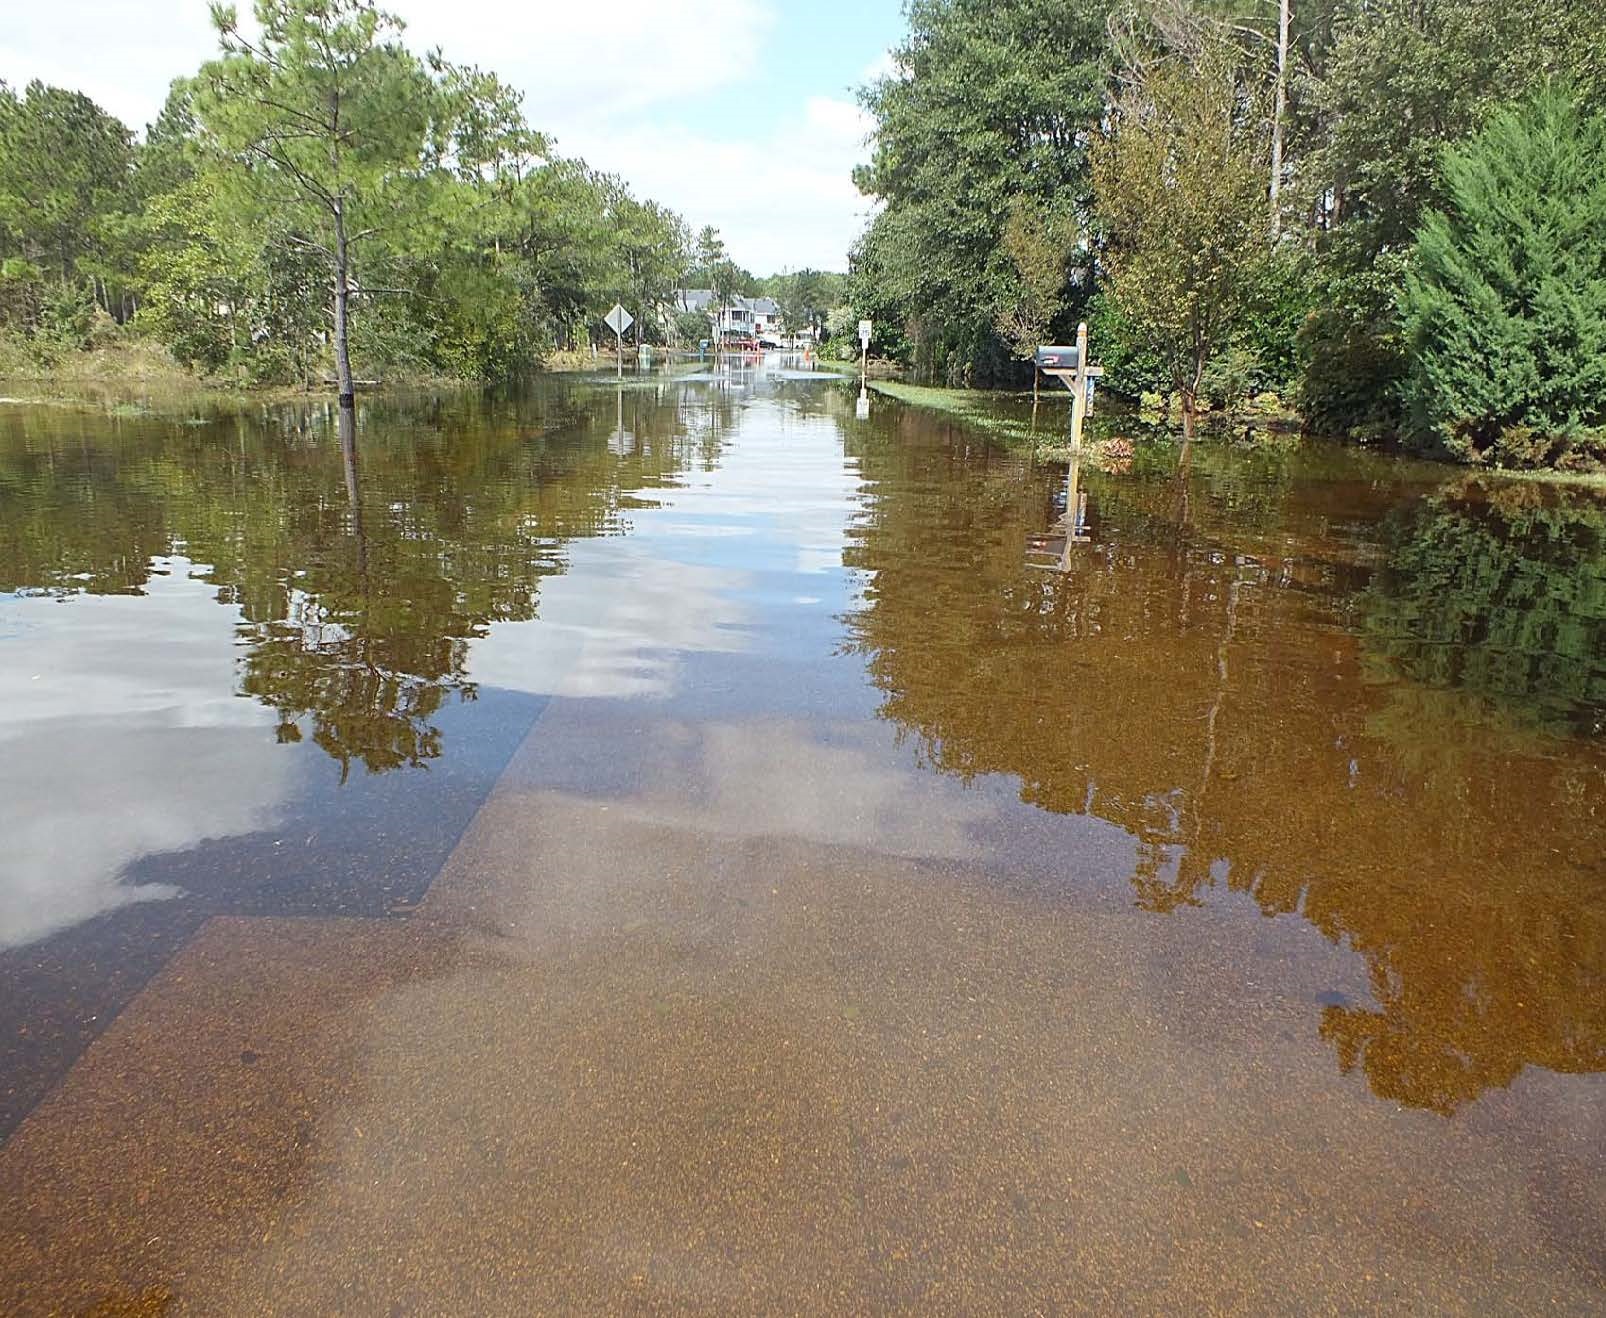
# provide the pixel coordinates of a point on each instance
(619, 320)
(864, 333)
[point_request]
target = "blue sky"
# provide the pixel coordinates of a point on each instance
(738, 113)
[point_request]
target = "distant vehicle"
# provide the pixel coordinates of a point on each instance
(769, 343)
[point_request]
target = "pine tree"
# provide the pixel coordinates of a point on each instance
(1505, 308)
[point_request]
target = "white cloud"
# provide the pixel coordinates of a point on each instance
(883, 65)
(571, 61)
(833, 784)
(123, 55)
(617, 623)
(787, 200)
(579, 62)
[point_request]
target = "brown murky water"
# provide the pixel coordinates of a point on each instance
(686, 848)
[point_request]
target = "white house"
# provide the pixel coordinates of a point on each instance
(741, 317)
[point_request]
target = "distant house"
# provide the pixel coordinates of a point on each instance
(741, 317)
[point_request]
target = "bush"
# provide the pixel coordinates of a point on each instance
(1351, 358)
(21, 287)
(692, 327)
(67, 316)
(1130, 370)
(1505, 307)
(1267, 336)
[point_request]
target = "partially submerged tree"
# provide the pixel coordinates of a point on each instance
(336, 127)
(1505, 306)
(1180, 195)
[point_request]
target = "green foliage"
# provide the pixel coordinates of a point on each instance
(1388, 85)
(1278, 302)
(1040, 244)
(66, 205)
(987, 122)
(1505, 306)
(64, 164)
(1350, 351)
(989, 102)
(806, 297)
(692, 327)
(326, 122)
(1179, 194)
(1500, 592)
(653, 247)
(315, 153)
(226, 298)
(1130, 368)
(67, 316)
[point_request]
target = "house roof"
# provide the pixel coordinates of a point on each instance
(700, 299)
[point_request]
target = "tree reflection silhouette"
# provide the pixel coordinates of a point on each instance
(1227, 688)
(361, 577)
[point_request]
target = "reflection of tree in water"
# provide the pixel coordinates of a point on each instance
(1501, 591)
(1201, 687)
(356, 615)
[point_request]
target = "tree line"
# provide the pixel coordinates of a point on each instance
(319, 203)
(1390, 212)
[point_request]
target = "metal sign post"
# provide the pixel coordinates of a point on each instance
(864, 347)
(619, 320)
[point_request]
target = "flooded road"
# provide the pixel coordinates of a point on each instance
(686, 848)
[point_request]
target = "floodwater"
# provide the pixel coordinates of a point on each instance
(683, 847)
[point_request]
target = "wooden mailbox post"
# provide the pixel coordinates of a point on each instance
(1069, 365)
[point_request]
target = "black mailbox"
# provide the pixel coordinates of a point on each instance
(1051, 358)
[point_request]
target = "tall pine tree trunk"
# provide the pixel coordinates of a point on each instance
(348, 396)
(1279, 110)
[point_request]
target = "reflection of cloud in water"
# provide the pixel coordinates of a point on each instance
(120, 722)
(777, 779)
(802, 492)
(615, 625)
(628, 608)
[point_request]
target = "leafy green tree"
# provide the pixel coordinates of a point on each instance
(709, 248)
(1040, 246)
(331, 122)
(1387, 84)
(1180, 197)
(652, 247)
(726, 280)
(806, 297)
(692, 327)
(988, 102)
(1505, 307)
(65, 167)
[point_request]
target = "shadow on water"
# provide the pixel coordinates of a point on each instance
(1360, 692)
